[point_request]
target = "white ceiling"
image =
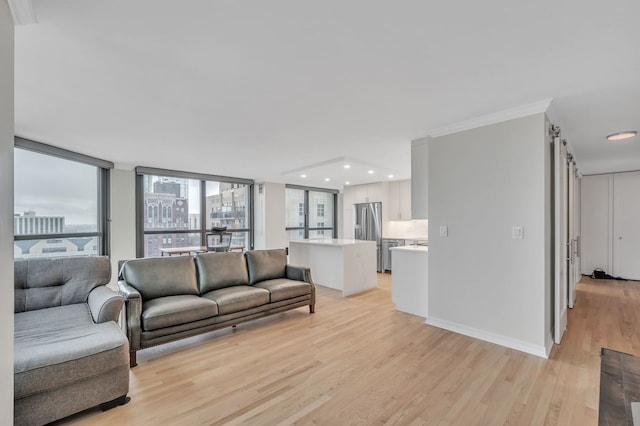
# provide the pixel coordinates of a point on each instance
(265, 89)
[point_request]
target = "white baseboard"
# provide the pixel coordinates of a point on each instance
(519, 345)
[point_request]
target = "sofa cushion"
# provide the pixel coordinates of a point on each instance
(282, 288)
(168, 311)
(219, 270)
(238, 298)
(46, 282)
(159, 277)
(266, 264)
(57, 346)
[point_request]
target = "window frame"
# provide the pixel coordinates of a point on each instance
(103, 169)
(306, 227)
(141, 171)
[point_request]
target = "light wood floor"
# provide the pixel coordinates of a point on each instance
(358, 361)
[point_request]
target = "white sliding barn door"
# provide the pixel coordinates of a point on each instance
(560, 238)
(571, 270)
(577, 228)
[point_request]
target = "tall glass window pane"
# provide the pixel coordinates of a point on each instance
(321, 210)
(227, 204)
(294, 200)
(171, 203)
(55, 196)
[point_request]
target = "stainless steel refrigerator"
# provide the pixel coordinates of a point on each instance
(368, 226)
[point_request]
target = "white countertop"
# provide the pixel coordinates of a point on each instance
(405, 238)
(411, 248)
(332, 241)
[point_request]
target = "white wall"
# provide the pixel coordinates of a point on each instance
(6, 214)
(269, 216)
(123, 219)
(482, 282)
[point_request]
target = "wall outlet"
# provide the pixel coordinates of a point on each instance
(517, 232)
(444, 230)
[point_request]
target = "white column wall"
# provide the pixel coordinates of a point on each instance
(123, 219)
(6, 213)
(269, 216)
(482, 282)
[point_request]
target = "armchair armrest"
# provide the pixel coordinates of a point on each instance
(133, 311)
(298, 273)
(104, 304)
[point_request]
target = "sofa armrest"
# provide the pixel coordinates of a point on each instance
(298, 273)
(133, 311)
(105, 304)
(302, 273)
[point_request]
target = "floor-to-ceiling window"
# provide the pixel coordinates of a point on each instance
(60, 202)
(310, 212)
(176, 209)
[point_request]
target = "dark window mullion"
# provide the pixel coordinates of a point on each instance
(306, 214)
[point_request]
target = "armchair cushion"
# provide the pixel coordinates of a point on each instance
(57, 346)
(46, 282)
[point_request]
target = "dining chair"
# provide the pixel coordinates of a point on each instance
(219, 242)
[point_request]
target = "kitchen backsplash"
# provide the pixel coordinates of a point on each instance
(406, 229)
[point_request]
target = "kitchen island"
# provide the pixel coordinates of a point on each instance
(409, 279)
(342, 264)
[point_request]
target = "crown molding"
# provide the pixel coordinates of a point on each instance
(497, 117)
(22, 12)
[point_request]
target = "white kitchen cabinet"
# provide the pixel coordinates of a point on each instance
(405, 199)
(420, 178)
(400, 200)
(360, 194)
(367, 193)
(375, 192)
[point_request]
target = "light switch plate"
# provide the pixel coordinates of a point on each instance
(517, 232)
(444, 230)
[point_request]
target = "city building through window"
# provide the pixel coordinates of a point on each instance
(60, 202)
(177, 209)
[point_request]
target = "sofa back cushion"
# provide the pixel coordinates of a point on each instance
(161, 276)
(266, 264)
(220, 270)
(47, 282)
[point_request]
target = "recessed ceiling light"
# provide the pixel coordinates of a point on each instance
(347, 166)
(327, 179)
(390, 176)
(370, 172)
(303, 176)
(347, 183)
(622, 135)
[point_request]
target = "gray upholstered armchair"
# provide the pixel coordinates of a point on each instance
(69, 353)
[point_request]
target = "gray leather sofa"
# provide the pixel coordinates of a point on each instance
(169, 298)
(69, 353)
